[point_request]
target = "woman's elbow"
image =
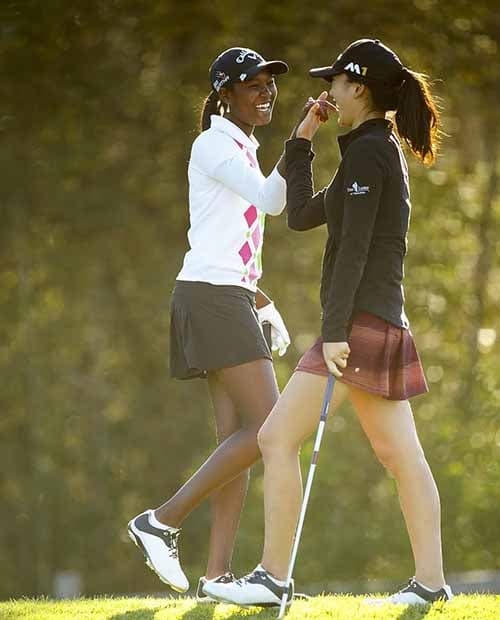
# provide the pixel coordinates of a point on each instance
(295, 223)
(272, 209)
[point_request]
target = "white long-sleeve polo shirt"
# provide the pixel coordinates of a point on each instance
(229, 198)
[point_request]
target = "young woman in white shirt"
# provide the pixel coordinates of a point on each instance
(217, 311)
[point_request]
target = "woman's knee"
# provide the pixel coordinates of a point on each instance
(396, 457)
(273, 440)
(265, 438)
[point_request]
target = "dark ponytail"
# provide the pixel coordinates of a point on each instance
(212, 105)
(417, 116)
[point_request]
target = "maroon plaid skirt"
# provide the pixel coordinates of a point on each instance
(383, 359)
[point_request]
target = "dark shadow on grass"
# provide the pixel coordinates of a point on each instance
(206, 612)
(253, 612)
(415, 612)
(135, 614)
(202, 611)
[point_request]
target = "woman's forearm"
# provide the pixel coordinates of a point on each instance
(305, 209)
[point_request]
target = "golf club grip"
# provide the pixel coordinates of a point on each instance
(312, 469)
(266, 329)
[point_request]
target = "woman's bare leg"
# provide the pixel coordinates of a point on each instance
(253, 391)
(227, 502)
(294, 418)
(390, 427)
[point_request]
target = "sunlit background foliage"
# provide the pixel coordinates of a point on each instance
(99, 105)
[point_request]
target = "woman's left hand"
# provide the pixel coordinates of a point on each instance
(279, 333)
(335, 355)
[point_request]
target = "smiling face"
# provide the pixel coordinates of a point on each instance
(349, 98)
(251, 102)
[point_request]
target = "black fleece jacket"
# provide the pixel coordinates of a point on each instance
(367, 209)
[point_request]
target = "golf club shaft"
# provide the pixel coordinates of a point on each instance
(307, 492)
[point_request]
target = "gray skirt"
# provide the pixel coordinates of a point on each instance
(212, 327)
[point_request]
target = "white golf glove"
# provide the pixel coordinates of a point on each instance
(279, 334)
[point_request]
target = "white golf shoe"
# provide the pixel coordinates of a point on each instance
(201, 597)
(414, 594)
(159, 546)
(258, 588)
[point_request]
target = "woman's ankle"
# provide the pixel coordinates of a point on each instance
(275, 569)
(165, 518)
(431, 582)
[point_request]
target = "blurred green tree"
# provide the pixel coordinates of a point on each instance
(99, 105)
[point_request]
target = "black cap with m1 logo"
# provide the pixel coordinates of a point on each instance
(238, 64)
(368, 60)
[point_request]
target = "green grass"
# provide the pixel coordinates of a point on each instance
(472, 607)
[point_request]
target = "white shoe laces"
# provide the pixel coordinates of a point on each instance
(245, 579)
(172, 542)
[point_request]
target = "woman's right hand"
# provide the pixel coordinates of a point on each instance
(335, 355)
(316, 114)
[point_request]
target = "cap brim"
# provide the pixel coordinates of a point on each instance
(325, 72)
(276, 67)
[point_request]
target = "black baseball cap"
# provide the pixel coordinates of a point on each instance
(367, 60)
(238, 64)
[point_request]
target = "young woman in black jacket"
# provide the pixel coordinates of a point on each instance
(365, 341)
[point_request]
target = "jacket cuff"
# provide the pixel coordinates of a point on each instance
(299, 145)
(332, 333)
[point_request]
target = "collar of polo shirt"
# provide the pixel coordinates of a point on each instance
(226, 126)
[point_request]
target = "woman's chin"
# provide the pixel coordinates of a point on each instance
(342, 121)
(264, 118)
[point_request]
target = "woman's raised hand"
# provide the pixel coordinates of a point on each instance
(316, 112)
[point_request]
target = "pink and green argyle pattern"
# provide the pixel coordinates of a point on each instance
(251, 250)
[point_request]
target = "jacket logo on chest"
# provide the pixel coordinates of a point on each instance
(358, 190)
